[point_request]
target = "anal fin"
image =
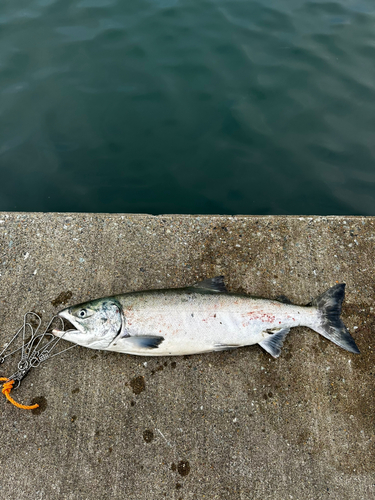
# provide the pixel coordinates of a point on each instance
(274, 342)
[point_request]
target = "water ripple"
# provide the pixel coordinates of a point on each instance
(172, 105)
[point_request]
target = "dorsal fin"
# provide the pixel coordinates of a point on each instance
(212, 285)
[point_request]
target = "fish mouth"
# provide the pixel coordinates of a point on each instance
(69, 327)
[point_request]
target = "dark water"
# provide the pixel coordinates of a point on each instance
(188, 106)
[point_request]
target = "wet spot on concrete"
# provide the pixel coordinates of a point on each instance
(138, 384)
(173, 364)
(34, 322)
(157, 369)
(62, 298)
(73, 418)
(323, 344)
(94, 357)
(110, 449)
(303, 437)
(132, 403)
(148, 436)
(288, 356)
(174, 467)
(75, 391)
(42, 402)
(178, 486)
(183, 467)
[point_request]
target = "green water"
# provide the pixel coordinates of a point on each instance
(190, 106)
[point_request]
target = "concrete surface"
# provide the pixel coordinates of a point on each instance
(228, 425)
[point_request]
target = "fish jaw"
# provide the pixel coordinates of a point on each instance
(96, 323)
(76, 336)
(66, 315)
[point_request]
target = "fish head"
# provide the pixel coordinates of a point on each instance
(96, 323)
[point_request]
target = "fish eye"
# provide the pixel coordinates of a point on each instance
(82, 313)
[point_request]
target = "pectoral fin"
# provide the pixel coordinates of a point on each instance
(274, 342)
(142, 341)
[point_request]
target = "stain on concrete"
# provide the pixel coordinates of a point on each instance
(76, 390)
(42, 402)
(148, 436)
(62, 298)
(138, 384)
(33, 320)
(183, 468)
(159, 368)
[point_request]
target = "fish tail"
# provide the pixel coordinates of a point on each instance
(330, 324)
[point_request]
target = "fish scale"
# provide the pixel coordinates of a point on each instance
(205, 320)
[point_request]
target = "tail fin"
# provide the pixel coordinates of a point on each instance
(331, 326)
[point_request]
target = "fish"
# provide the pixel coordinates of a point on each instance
(200, 318)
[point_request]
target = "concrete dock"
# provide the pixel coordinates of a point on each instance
(230, 425)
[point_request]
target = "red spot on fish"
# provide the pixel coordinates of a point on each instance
(214, 315)
(261, 316)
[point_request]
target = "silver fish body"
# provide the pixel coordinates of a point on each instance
(198, 319)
